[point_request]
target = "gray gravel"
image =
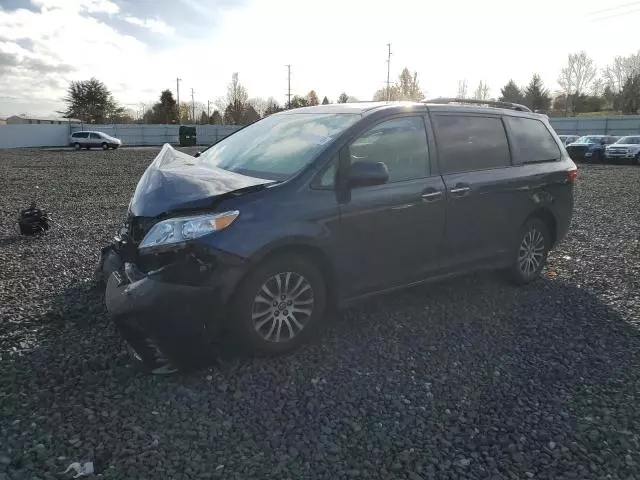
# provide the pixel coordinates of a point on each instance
(467, 379)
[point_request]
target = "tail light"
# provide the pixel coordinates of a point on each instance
(572, 175)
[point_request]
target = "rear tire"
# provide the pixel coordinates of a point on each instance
(76, 146)
(105, 146)
(530, 253)
(278, 305)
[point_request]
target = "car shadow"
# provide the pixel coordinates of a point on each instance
(500, 366)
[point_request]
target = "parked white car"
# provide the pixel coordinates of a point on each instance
(627, 148)
(90, 139)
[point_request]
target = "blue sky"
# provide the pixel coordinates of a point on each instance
(139, 47)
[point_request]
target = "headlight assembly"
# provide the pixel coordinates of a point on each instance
(181, 229)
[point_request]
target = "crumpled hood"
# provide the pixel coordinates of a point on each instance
(176, 180)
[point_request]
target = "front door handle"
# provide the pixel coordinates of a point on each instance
(432, 196)
(460, 190)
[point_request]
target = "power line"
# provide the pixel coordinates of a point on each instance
(605, 10)
(616, 15)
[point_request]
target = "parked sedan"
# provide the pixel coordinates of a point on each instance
(90, 139)
(627, 148)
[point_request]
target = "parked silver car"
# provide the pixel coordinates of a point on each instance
(90, 139)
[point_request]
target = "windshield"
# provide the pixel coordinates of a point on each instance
(629, 140)
(278, 146)
(589, 140)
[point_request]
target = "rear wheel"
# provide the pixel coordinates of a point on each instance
(278, 305)
(531, 252)
(105, 146)
(76, 146)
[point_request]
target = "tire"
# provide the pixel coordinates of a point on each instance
(636, 160)
(105, 146)
(260, 321)
(535, 233)
(76, 146)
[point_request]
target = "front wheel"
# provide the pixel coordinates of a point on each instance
(531, 252)
(278, 305)
(105, 146)
(636, 160)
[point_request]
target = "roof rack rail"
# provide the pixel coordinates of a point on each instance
(489, 103)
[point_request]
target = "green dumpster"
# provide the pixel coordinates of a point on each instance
(187, 136)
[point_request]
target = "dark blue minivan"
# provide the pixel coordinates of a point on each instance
(313, 208)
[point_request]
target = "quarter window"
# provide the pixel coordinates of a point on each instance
(401, 144)
(468, 143)
(532, 141)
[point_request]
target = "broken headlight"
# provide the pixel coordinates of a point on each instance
(182, 229)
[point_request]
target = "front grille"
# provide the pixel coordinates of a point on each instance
(577, 152)
(617, 150)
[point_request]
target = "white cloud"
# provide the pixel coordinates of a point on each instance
(89, 6)
(154, 24)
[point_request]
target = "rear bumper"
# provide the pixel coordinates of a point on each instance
(173, 311)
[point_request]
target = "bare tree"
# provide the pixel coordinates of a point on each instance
(462, 88)
(579, 74)
(482, 92)
(615, 75)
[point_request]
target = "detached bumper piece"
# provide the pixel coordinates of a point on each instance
(163, 320)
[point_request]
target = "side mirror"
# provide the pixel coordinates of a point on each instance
(197, 154)
(365, 173)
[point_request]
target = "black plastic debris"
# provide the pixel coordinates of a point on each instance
(33, 220)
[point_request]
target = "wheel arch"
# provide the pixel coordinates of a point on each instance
(548, 218)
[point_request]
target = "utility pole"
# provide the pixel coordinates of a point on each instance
(193, 108)
(388, 71)
(178, 97)
(288, 85)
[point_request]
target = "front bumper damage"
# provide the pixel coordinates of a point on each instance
(169, 308)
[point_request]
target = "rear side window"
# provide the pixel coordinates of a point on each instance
(468, 143)
(532, 141)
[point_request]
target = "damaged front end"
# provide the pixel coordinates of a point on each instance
(166, 284)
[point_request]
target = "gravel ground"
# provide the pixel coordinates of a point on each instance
(470, 378)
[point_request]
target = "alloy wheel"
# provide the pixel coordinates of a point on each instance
(282, 307)
(531, 252)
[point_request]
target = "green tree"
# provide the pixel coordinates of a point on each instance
(203, 118)
(250, 115)
(312, 98)
(630, 95)
(409, 86)
(166, 110)
(343, 98)
(272, 107)
(216, 118)
(297, 102)
(91, 101)
(406, 88)
(511, 93)
(536, 97)
(325, 101)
